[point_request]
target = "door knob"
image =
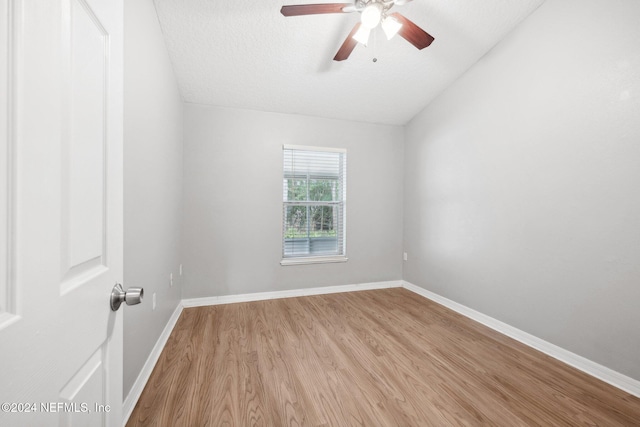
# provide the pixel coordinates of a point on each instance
(131, 296)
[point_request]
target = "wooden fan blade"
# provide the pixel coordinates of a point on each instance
(314, 9)
(348, 45)
(412, 33)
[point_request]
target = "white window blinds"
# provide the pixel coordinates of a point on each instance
(313, 202)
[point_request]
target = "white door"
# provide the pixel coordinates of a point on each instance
(60, 212)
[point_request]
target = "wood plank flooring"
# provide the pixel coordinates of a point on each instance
(371, 358)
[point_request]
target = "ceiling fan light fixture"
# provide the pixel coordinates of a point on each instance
(371, 15)
(362, 35)
(390, 26)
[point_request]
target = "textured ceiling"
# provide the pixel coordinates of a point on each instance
(245, 54)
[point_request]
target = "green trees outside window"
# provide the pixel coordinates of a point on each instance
(311, 220)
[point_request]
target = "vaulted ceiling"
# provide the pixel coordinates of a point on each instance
(245, 54)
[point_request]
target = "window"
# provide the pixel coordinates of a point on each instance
(313, 205)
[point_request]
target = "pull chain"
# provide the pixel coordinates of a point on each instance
(375, 44)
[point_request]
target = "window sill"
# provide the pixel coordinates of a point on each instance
(313, 260)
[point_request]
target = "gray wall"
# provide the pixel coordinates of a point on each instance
(233, 201)
(152, 183)
(522, 182)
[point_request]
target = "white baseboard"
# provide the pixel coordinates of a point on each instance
(138, 386)
(260, 296)
(594, 369)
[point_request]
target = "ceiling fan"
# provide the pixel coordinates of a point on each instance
(373, 12)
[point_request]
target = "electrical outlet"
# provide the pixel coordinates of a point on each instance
(181, 269)
(404, 256)
(171, 279)
(154, 301)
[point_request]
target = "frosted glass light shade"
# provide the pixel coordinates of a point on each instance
(362, 35)
(390, 26)
(371, 15)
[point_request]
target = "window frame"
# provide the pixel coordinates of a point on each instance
(316, 259)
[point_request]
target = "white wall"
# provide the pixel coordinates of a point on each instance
(233, 201)
(522, 182)
(152, 183)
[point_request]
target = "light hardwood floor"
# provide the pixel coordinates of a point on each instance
(371, 358)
